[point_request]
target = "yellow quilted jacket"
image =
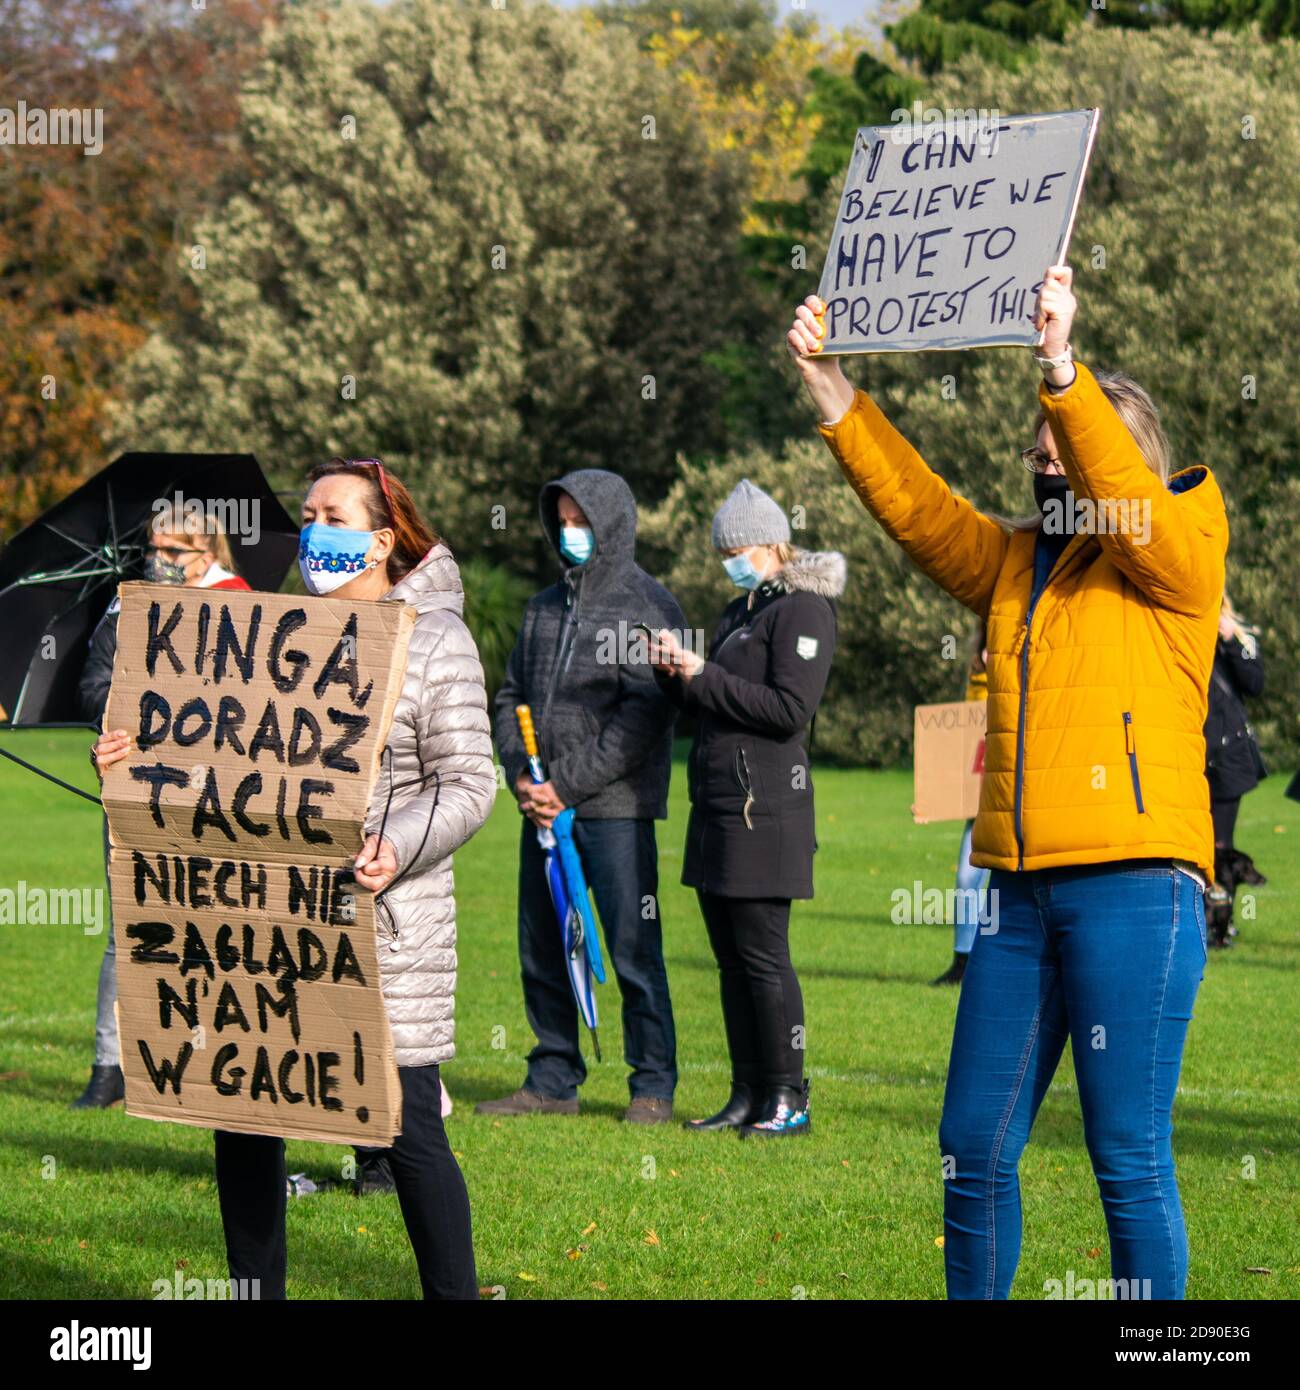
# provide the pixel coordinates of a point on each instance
(1097, 698)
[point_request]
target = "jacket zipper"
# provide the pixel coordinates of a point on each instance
(703, 740)
(1021, 650)
(1131, 748)
(391, 918)
(382, 910)
(564, 651)
(700, 758)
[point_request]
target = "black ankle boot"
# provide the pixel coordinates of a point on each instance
(953, 974)
(374, 1173)
(739, 1110)
(105, 1087)
(786, 1111)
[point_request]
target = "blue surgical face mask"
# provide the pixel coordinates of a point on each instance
(741, 571)
(577, 543)
(329, 556)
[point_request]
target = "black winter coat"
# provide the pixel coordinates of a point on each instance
(1232, 762)
(97, 673)
(752, 827)
(604, 726)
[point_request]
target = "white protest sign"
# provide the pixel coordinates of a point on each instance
(944, 230)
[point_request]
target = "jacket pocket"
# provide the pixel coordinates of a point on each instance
(1130, 747)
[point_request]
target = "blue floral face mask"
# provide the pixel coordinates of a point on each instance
(329, 556)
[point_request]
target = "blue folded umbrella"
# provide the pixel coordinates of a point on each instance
(567, 884)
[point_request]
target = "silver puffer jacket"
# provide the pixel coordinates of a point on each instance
(438, 766)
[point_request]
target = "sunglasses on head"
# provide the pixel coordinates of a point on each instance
(378, 466)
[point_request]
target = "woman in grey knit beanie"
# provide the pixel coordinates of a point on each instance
(750, 841)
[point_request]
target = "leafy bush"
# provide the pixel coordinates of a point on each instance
(1187, 277)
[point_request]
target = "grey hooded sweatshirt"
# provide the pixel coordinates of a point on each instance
(438, 768)
(604, 726)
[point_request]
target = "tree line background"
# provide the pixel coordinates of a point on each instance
(494, 245)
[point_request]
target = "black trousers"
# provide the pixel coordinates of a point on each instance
(251, 1180)
(1224, 816)
(762, 1004)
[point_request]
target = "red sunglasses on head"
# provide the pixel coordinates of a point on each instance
(383, 481)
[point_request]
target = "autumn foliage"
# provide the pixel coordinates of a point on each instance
(90, 244)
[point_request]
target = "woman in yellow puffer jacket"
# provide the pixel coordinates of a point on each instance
(1094, 814)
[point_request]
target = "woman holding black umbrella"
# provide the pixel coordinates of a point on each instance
(362, 538)
(185, 547)
(751, 837)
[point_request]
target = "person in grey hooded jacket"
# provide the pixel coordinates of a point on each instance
(605, 731)
(436, 786)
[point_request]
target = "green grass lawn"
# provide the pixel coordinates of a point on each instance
(102, 1205)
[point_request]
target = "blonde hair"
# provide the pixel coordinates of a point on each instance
(783, 550)
(1141, 417)
(1247, 636)
(205, 526)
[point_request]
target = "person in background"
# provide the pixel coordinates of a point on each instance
(605, 732)
(190, 549)
(1094, 810)
(752, 831)
(970, 879)
(363, 539)
(1233, 764)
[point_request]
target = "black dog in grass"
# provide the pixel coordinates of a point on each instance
(1231, 867)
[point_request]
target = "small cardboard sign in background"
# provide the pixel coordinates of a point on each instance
(948, 760)
(944, 230)
(248, 984)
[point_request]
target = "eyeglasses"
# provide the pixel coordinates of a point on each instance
(1036, 460)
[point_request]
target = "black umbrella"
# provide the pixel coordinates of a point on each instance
(58, 575)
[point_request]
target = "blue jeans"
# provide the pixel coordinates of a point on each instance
(1109, 955)
(622, 867)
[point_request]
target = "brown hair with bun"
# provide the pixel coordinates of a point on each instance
(388, 506)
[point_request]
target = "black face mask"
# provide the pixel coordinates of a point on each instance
(1050, 487)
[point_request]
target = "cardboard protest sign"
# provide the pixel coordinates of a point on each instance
(944, 230)
(248, 984)
(948, 760)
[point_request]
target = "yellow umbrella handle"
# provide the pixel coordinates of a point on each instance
(529, 734)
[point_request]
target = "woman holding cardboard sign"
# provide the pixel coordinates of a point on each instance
(1094, 814)
(362, 538)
